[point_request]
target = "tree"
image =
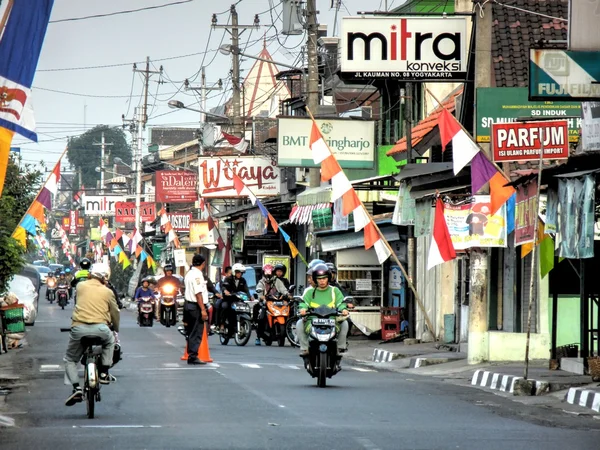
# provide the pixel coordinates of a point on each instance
(84, 155)
(20, 188)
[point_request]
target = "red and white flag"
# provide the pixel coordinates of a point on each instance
(463, 147)
(441, 249)
(240, 144)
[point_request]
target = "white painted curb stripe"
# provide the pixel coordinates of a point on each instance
(584, 397)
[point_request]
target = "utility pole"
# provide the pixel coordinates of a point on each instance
(102, 145)
(411, 242)
(234, 31)
(203, 90)
(312, 91)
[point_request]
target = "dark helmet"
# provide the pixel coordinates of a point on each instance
(168, 267)
(85, 264)
(332, 267)
(321, 270)
(312, 264)
(62, 274)
(280, 267)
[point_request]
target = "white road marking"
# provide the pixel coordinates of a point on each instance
(161, 369)
(171, 365)
(361, 369)
(50, 368)
(251, 366)
(290, 366)
(215, 365)
(117, 426)
(6, 421)
(367, 443)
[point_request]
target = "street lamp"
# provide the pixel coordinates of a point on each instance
(100, 169)
(118, 160)
(176, 104)
(227, 49)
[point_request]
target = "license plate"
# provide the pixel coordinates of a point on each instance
(328, 322)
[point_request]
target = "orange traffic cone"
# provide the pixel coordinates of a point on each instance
(204, 352)
(185, 353)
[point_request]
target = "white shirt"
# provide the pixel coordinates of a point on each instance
(195, 284)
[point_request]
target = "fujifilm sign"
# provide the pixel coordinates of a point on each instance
(408, 48)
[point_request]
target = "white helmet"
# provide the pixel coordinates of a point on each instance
(100, 271)
(237, 267)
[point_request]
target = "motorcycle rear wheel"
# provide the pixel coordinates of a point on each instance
(243, 339)
(90, 396)
(322, 376)
(290, 331)
(224, 335)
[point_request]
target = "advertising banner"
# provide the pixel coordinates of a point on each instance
(256, 224)
(278, 259)
(125, 212)
(176, 186)
(260, 174)
(521, 141)
(200, 234)
(180, 221)
(101, 205)
(73, 216)
(507, 105)
(471, 225)
(351, 141)
(590, 129)
(525, 213)
(408, 48)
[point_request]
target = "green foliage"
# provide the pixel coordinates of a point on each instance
(84, 155)
(119, 277)
(11, 259)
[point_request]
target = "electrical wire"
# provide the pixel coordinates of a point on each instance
(535, 13)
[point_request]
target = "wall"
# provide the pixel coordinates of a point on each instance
(569, 321)
(511, 346)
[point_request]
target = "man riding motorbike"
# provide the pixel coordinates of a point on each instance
(51, 282)
(322, 295)
(168, 279)
(96, 309)
(232, 284)
(82, 274)
(269, 285)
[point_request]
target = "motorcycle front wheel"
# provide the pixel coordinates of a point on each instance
(322, 376)
(243, 335)
(224, 335)
(290, 331)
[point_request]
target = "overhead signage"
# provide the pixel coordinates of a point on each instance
(521, 141)
(73, 216)
(507, 105)
(200, 234)
(351, 141)
(256, 223)
(101, 205)
(563, 75)
(408, 48)
(180, 221)
(260, 174)
(176, 186)
(125, 212)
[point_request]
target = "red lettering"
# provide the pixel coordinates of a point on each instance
(393, 44)
(404, 36)
(210, 177)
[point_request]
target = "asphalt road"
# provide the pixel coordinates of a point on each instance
(260, 398)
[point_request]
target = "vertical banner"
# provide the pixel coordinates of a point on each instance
(340, 222)
(576, 218)
(73, 219)
(526, 212)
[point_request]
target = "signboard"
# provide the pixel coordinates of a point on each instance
(563, 75)
(125, 212)
(179, 257)
(95, 234)
(157, 248)
(364, 284)
(507, 105)
(65, 223)
(180, 221)
(73, 216)
(590, 128)
(586, 35)
(471, 225)
(237, 242)
(351, 141)
(261, 175)
(526, 210)
(408, 48)
(256, 224)
(278, 259)
(200, 234)
(521, 141)
(101, 205)
(176, 186)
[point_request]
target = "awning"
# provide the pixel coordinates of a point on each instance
(314, 196)
(302, 215)
(427, 192)
(351, 239)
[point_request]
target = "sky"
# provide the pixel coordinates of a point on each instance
(67, 102)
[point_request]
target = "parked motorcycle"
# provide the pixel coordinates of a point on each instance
(51, 290)
(168, 305)
(241, 328)
(146, 311)
(62, 293)
(322, 361)
(275, 313)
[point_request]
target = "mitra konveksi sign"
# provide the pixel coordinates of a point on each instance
(521, 141)
(409, 48)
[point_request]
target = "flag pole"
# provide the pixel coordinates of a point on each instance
(393, 254)
(42, 187)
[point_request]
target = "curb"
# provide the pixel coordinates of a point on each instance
(584, 397)
(503, 383)
(383, 355)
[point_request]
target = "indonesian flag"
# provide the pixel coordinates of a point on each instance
(240, 144)
(463, 147)
(441, 249)
(79, 194)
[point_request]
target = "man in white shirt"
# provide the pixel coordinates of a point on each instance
(195, 307)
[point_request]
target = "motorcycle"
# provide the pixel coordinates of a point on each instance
(275, 312)
(241, 329)
(146, 311)
(290, 324)
(62, 292)
(168, 306)
(51, 290)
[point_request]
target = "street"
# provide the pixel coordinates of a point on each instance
(255, 398)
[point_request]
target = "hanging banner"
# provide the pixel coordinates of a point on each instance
(525, 213)
(200, 234)
(521, 141)
(125, 212)
(179, 257)
(176, 186)
(73, 216)
(237, 242)
(256, 224)
(260, 174)
(576, 217)
(471, 225)
(340, 222)
(180, 221)
(590, 128)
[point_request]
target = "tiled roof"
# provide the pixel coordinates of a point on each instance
(425, 126)
(514, 32)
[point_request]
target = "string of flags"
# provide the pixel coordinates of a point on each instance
(205, 206)
(169, 231)
(130, 243)
(66, 245)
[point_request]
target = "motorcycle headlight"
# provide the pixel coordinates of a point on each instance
(277, 312)
(168, 289)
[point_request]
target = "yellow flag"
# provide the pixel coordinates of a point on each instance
(293, 249)
(149, 262)
(20, 235)
(5, 141)
(122, 257)
(527, 248)
(126, 262)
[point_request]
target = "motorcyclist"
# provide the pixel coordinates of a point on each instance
(83, 273)
(143, 292)
(51, 282)
(280, 271)
(95, 311)
(322, 295)
(334, 281)
(232, 284)
(269, 285)
(168, 279)
(62, 281)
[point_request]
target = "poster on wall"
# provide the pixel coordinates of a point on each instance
(176, 186)
(256, 223)
(590, 129)
(472, 225)
(237, 242)
(277, 259)
(200, 234)
(525, 213)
